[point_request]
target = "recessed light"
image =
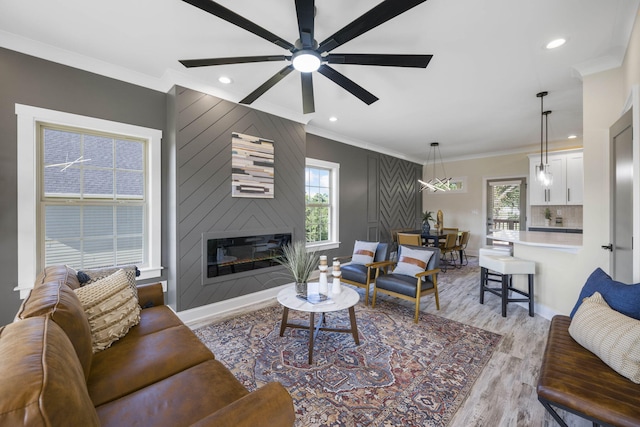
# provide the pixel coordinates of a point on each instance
(556, 43)
(224, 80)
(333, 119)
(572, 136)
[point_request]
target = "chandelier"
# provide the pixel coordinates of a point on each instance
(435, 184)
(543, 170)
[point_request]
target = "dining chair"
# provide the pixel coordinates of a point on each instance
(409, 239)
(445, 233)
(461, 247)
(449, 248)
(414, 275)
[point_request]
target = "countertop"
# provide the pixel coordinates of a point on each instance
(562, 241)
(556, 227)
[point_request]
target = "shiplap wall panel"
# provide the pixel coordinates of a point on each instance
(204, 127)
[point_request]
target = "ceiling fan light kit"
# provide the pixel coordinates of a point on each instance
(308, 56)
(306, 60)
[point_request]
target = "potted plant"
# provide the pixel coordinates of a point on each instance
(299, 263)
(547, 217)
(427, 217)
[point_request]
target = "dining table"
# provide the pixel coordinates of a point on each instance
(433, 237)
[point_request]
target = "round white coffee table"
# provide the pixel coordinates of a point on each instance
(348, 298)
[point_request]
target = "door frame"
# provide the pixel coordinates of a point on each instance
(626, 215)
(633, 100)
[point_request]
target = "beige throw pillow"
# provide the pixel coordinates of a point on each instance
(111, 307)
(610, 335)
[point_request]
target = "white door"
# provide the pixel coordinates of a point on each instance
(622, 199)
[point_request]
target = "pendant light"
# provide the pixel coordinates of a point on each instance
(435, 184)
(543, 170)
(548, 176)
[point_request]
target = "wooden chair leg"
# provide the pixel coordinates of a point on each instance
(366, 294)
(435, 287)
(415, 317)
(375, 293)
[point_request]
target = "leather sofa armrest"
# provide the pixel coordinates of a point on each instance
(270, 405)
(150, 295)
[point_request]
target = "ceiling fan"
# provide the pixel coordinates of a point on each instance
(307, 55)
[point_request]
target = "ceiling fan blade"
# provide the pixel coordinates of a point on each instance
(267, 85)
(233, 18)
(348, 84)
(417, 61)
(380, 14)
(305, 9)
(308, 104)
(190, 63)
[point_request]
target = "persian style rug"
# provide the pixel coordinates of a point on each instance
(401, 374)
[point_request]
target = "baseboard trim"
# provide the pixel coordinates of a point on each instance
(540, 310)
(195, 317)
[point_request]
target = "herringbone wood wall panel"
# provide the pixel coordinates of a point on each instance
(400, 203)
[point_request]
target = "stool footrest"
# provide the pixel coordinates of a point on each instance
(489, 275)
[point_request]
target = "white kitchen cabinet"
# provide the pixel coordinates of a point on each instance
(567, 187)
(575, 179)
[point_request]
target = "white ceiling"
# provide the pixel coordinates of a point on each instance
(476, 97)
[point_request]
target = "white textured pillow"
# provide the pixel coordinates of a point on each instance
(364, 252)
(610, 335)
(412, 261)
(111, 307)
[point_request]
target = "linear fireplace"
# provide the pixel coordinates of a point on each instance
(229, 255)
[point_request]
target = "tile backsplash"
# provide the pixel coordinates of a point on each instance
(571, 215)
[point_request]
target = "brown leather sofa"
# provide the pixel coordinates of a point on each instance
(159, 374)
(576, 380)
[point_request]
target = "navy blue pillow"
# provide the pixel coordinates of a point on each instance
(620, 297)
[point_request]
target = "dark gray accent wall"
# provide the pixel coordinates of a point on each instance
(203, 129)
(378, 192)
(39, 83)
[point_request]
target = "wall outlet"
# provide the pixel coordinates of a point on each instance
(559, 212)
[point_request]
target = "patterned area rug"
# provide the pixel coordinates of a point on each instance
(401, 374)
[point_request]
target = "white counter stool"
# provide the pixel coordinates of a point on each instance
(504, 267)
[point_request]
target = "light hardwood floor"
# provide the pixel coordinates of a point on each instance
(505, 392)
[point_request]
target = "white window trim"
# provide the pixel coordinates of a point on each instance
(28, 117)
(334, 241)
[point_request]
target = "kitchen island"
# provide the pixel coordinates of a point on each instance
(554, 255)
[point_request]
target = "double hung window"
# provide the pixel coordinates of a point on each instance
(321, 204)
(89, 194)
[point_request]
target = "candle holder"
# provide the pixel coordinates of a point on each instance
(323, 286)
(336, 288)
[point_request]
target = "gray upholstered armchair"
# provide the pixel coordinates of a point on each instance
(415, 275)
(362, 275)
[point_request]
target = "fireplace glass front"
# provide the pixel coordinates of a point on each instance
(230, 255)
